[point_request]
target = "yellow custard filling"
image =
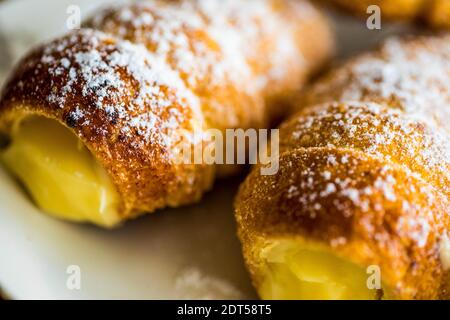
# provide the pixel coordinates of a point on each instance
(60, 173)
(296, 272)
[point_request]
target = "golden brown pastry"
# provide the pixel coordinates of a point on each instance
(360, 207)
(97, 119)
(434, 12)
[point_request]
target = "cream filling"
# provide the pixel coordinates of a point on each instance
(295, 271)
(60, 173)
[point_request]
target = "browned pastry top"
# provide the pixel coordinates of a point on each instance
(412, 75)
(377, 130)
(216, 48)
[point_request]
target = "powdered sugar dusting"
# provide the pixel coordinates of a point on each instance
(99, 66)
(357, 192)
(380, 131)
(391, 106)
(410, 75)
(215, 44)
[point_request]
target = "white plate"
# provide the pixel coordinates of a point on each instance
(186, 253)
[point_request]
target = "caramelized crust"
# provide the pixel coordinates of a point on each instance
(138, 84)
(368, 175)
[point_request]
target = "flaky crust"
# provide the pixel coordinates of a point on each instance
(435, 13)
(139, 80)
(365, 170)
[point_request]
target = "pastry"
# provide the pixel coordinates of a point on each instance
(436, 13)
(360, 207)
(96, 120)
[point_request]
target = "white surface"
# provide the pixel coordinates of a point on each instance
(186, 253)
